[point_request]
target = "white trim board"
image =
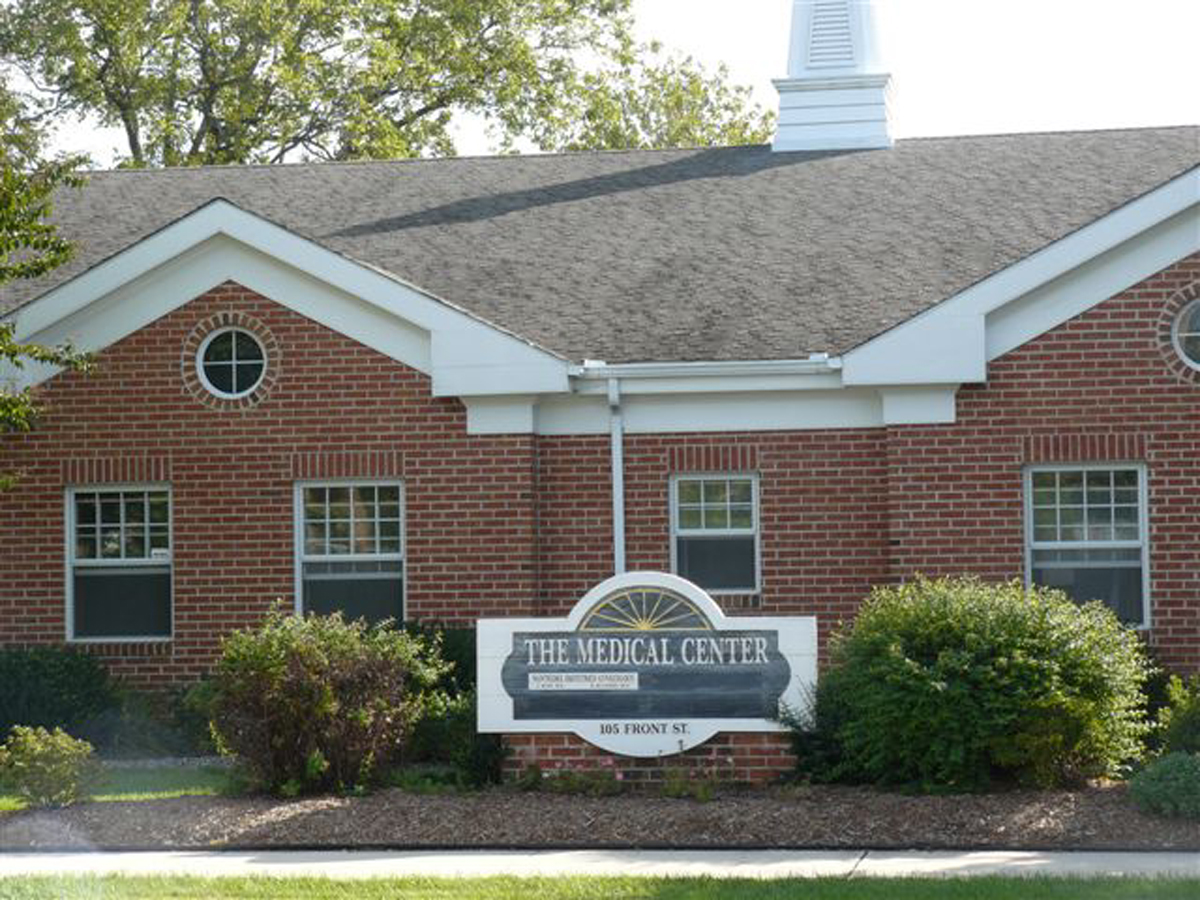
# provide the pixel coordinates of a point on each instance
(464, 354)
(951, 342)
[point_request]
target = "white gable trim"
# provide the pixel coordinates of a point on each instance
(953, 341)
(464, 355)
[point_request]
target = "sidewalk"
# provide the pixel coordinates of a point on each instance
(713, 863)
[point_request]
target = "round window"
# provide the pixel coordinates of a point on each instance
(231, 362)
(1187, 334)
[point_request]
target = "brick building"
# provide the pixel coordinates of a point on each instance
(448, 389)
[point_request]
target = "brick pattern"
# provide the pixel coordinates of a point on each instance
(1165, 331)
(230, 318)
(520, 525)
(338, 410)
(1098, 388)
(729, 758)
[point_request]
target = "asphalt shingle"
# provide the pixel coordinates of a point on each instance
(728, 253)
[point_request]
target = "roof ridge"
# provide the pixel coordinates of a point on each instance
(477, 157)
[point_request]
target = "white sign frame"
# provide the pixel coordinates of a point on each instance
(797, 637)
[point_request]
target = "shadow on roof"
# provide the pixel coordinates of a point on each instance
(720, 162)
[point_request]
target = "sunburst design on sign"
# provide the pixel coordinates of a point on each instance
(645, 609)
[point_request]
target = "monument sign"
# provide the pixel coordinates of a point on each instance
(646, 664)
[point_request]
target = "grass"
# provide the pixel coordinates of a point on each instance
(147, 784)
(592, 888)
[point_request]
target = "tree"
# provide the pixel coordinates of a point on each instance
(231, 81)
(656, 101)
(29, 247)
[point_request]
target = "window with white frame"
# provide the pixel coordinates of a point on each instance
(119, 562)
(350, 539)
(1086, 534)
(714, 531)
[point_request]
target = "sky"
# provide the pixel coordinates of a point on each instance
(958, 66)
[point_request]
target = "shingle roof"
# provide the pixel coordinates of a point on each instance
(730, 253)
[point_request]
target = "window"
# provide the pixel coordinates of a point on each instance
(1187, 334)
(231, 363)
(1086, 534)
(714, 531)
(351, 549)
(119, 563)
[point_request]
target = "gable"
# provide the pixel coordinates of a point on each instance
(219, 242)
(954, 341)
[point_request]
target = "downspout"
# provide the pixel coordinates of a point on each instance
(616, 427)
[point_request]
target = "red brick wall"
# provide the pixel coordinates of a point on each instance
(334, 409)
(1105, 386)
(729, 758)
(518, 525)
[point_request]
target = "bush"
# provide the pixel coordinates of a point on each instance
(958, 685)
(445, 733)
(46, 768)
(318, 703)
(1180, 719)
(52, 687)
(1169, 786)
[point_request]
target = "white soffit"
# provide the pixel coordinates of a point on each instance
(954, 340)
(220, 242)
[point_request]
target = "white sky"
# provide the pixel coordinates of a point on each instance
(958, 66)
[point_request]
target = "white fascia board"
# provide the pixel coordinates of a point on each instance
(1062, 299)
(725, 376)
(501, 415)
(948, 343)
(403, 302)
(926, 404)
(694, 413)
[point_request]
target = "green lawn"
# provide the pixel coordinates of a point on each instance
(116, 888)
(147, 784)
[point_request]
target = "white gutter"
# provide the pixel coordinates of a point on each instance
(817, 364)
(617, 455)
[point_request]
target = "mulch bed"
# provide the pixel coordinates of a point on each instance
(805, 816)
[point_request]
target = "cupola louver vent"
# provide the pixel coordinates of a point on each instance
(830, 42)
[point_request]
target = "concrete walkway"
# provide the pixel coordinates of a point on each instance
(714, 863)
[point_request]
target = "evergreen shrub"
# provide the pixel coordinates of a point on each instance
(46, 768)
(1169, 786)
(1180, 719)
(317, 703)
(961, 685)
(52, 687)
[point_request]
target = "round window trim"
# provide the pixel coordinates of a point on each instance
(1191, 311)
(202, 363)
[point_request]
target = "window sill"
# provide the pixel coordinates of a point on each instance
(117, 646)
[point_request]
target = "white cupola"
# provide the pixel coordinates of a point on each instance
(836, 94)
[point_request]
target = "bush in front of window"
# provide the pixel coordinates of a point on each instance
(318, 703)
(959, 685)
(52, 687)
(46, 768)
(1180, 718)
(1169, 786)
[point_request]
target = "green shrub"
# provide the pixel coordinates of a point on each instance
(1169, 786)
(147, 724)
(1180, 718)
(960, 685)
(52, 687)
(318, 703)
(458, 649)
(445, 733)
(46, 768)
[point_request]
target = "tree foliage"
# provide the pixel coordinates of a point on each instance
(232, 81)
(29, 247)
(656, 100)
